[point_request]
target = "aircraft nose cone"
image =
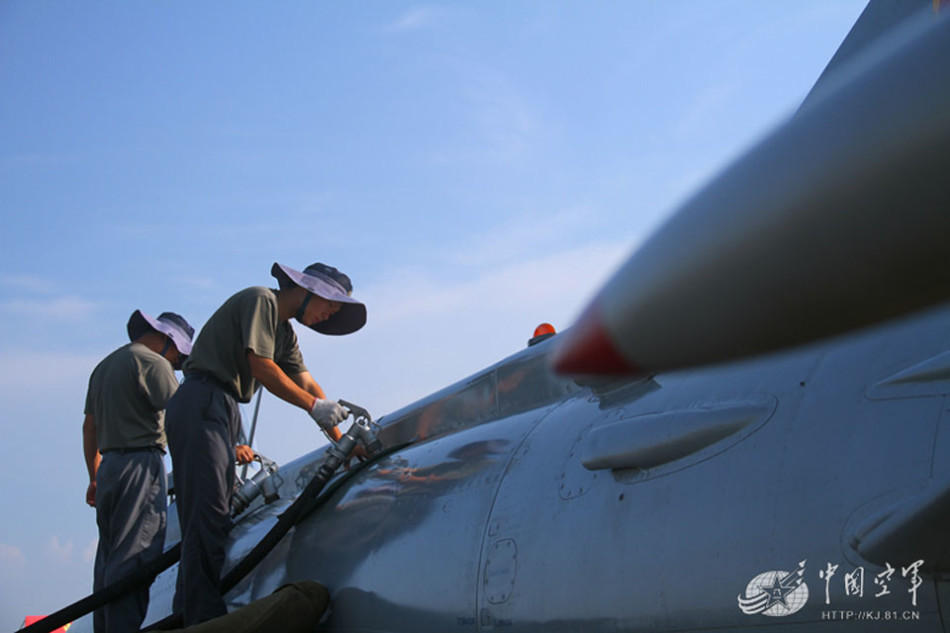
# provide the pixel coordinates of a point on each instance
(587, 348)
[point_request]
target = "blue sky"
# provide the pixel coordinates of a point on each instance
(476, 168)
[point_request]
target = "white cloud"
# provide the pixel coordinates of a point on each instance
(500, 122)
(199, 283)
(413, 19)
(60, 308)
(30, 283)
(523, 234)
(703, 111)
(558, 278)
(451, 327)
(11, 557)
(62, 373)
(507, 124)
(59, 552)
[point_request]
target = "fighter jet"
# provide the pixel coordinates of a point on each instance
(748, 427)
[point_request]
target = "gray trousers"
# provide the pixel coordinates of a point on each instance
(130, 512)
(202, 422)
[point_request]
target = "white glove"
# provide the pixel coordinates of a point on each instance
(327, 414)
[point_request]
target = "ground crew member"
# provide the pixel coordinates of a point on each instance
(123, 444)
(248, 342)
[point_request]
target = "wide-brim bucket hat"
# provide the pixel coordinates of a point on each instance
(172, 325)
(331, 284)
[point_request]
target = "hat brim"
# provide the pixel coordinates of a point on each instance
(352, 314)
(139, 322)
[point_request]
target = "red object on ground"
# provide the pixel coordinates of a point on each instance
(33, 619)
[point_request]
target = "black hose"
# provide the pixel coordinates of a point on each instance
(285, 521)
(143, 576)
(306, 503)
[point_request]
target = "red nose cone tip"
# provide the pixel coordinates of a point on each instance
(588, 350)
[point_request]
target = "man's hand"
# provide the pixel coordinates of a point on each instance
(91, 494)
(327, 414)
(244, 454)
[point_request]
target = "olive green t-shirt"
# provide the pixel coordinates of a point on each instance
(127, 395)
(246, 322)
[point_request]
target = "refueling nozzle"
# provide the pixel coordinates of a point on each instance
(360, 432)
(362, 428)
(262, 483)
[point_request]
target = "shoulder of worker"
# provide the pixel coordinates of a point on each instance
(146, 357)
(234, 312)
(237, 325)
(255, 294)
(123, 355)
(156, 376)
(103, 366)
(155, 370)
(143, 353)
(130, 364)
(255, 307)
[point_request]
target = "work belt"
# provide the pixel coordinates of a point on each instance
(211, 379)
(134, 449)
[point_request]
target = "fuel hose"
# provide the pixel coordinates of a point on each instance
(143, 576)
(308, 501)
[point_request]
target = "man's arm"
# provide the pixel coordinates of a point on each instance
(269, 374)
(306, 382)
(90, 449)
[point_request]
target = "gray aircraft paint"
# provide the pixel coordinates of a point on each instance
(528, 501)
